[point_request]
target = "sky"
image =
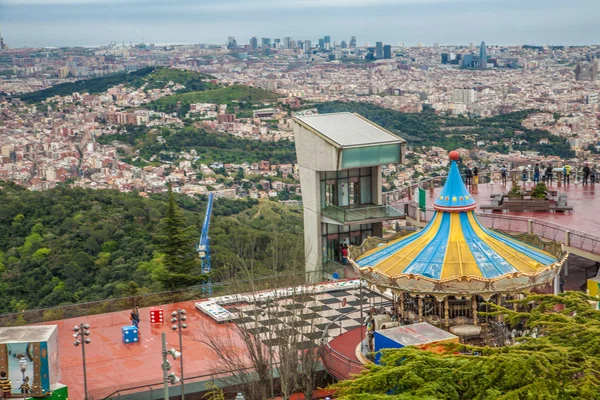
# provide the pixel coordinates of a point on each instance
(49, 23)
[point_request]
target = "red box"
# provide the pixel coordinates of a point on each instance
(157, 316)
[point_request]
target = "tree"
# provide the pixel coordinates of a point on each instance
(245, 352)
(557, 358)
(180, 262)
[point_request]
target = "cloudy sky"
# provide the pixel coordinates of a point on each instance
(97, 22)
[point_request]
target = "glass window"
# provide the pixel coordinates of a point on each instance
(354, 172)
(372, 155)
(365, 190)
(331, 174)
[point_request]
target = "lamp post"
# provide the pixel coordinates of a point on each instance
(166, 366)
(23, 368)
(82, 331)
(178, 319)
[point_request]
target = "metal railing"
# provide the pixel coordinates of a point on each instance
(361, 213)
(513, 224)
(109, 306)
(155, 390)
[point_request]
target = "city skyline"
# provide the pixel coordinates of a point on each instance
(48, 23)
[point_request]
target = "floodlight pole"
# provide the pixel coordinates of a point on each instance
(179, 318)
(165, 366)
(81, 332)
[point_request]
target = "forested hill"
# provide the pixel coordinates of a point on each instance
(71, 245)
(152, 77)
(425, 129)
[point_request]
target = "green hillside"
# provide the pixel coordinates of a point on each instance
(66, 245)
(425, 129)
(210, 146)
(153, 77)
(245, 97)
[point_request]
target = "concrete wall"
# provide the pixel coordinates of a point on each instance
(312, 223)
(314, 152)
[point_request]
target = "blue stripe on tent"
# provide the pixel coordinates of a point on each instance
(381, 255)
(490, 263)
(430, 260)
(528, 251)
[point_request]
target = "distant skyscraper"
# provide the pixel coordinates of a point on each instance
(307, 45)
(445, 58)
(387, 51)
(327, 39)
(482, 56)
(2, 45)
(266, 42)
(352, 42)
(276, 43)
(231, 43)
(254, 43)
(586, 71)
(379, 50)
(344, 45)
(287, 42)
(321, 44)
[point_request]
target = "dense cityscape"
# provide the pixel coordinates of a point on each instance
(299, 217)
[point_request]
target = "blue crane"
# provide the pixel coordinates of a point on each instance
(203, 246)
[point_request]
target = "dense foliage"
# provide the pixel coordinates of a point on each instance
(239, 96)
(429, 129)
(94, 85)
(562, 363)
(210, 146)
(70, 245)
(181, 266)
(152, 77)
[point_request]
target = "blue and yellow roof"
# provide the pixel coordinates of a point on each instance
(455, 246)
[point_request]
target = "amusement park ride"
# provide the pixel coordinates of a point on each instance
(203, 246)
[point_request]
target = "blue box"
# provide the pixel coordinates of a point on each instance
(130, 334)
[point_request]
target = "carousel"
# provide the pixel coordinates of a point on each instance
(446, 272)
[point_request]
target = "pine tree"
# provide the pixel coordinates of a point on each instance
(181, 266)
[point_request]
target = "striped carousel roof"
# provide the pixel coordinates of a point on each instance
(455, 246)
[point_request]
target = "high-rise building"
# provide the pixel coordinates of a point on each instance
(266, 42)
(464, 96)
(586, 71)
(482, 56)
(321, 44)
(2, 45)
(254, 43)
(379, 50)
(231, 43)
(387, 51)
(276, 43)
(352, 42)
(307, 45)
(445, 58)
(591, 98)
(344, 45)
(287, 42)
(327, 39)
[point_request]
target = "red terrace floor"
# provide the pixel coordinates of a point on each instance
(112, 365)
(585, 200)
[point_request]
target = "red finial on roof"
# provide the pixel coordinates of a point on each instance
(454, 156)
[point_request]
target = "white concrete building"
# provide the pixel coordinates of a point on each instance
(340, 157)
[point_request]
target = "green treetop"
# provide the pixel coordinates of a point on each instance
(181, 267)
(561, 361)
